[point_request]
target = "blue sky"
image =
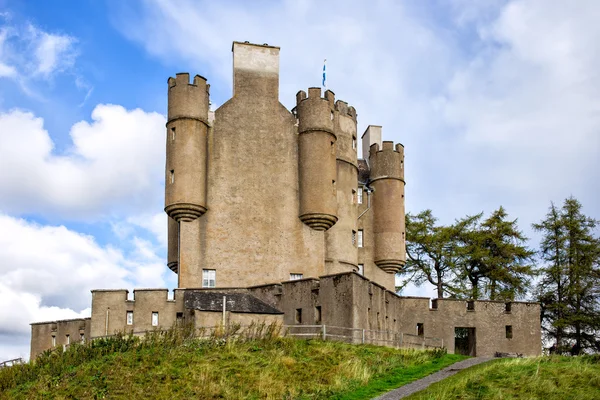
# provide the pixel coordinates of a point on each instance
(495, 101)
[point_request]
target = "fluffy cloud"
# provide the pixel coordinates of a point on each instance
(48, 272)
(115, 165)
(35, 52)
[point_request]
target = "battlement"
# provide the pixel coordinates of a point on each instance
(188, 100)
(315, 113)
(387, 161)
(386, 146)
(314, 93)
(183, 78)
(343, 108)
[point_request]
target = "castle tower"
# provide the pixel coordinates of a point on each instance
(317, 159)
(341, 251)
(387, 180)
(173, 244)
(185, 178)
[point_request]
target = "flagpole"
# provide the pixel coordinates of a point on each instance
(324, 75)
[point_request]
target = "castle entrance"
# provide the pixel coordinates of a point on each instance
(464, 341)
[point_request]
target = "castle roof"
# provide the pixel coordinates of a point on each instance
(363, 171)
(202, 300)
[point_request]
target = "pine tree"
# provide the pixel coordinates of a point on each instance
(553, 283)
(570, 279)
(431, 251)
(495, 258)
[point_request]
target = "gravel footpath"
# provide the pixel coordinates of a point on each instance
(423, 383)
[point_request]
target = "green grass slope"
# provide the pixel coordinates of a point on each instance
(167, 366)
(547, 378)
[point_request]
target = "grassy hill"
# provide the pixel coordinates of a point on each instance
(547, 378)
(171, 365)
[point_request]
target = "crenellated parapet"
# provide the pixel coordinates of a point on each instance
(345, 131)
(387, 181)
(317, 158)
(186, 164)
(386, 162)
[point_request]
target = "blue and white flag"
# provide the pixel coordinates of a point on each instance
(324, 74)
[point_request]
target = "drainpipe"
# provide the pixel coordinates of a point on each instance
(224, 309)
(369, 191)
(106, 323)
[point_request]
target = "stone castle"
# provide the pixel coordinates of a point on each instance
(273, 217)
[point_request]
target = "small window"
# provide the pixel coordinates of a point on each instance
(353, 238)
(420, 329)
(332, 115)
(129, 317)
(298, 315)
(509, 333)
(53, 341)
(68, 339)
(179, 318)
(333, 186)
(295, 277)
(317, 314)
(361, 269)
(353, 143)
(82, 337)
(333, 148)
(172, 176)
(360, 238)
(470, 305)
(353, 197)
(173, 134)
(507, 307)
(154, 318)
(209, 278)
(360, 195)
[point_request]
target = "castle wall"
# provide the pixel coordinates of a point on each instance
(340, 300)
(251, 233)
(379, 309)
(43, 333)
(110, 307)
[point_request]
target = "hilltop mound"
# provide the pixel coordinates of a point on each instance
(169, 366)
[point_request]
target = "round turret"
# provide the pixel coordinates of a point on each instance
(187, 130)
(316, 159)
(387, 180)
(341, 251)
(173, 247)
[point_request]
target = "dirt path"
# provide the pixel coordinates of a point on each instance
(423, 383)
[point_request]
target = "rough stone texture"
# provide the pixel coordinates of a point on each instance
(424, 383)
(173, 245)
(341, 252)
(109, 310)
(387, 181)
(345, 300)
(43, 332)
(265, 171)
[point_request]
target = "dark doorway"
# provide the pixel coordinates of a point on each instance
(464, 341)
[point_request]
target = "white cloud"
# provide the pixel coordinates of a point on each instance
(52, 52)
(48, 272)
(31, 56)
(114, 167)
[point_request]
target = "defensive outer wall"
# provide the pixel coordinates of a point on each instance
(345, 300)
